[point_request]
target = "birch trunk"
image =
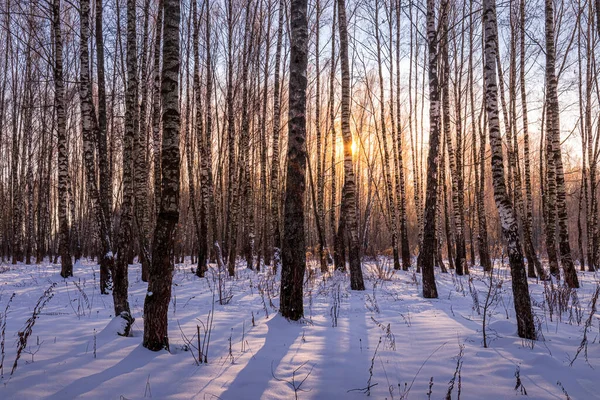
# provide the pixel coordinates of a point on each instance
(400, 181)
(275, 232)
(230, 235)
(426, 255)
(320, 214)
(478, 161)
(391, 203)
(160, 277)
(554, 153)
(508, 218)
(120, 275)
(198, 213)
(349, 203)
(27, 145)
(528, 220)
(89, 127)
(293, 250)
(142, 212)
(208, 202)
(63, 151)
(156, 111)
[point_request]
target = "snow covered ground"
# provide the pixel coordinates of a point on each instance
(387, 341)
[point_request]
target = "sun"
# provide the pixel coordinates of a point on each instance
(339, 146)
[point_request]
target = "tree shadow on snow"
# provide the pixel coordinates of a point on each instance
(137, 358)
(254, 379)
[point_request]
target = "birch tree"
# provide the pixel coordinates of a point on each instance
(89, 125)
(158, 297)
(293, 254)
(427, 251)
(63, 151)
(508, 217)
(274, 192)
(349, 190)
(556, 176)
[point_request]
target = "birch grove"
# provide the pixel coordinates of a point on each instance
(286, 136)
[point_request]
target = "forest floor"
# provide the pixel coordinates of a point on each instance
(387, 341)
